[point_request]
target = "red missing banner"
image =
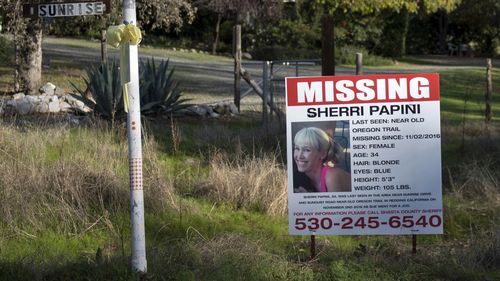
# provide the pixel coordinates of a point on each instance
(322, 90)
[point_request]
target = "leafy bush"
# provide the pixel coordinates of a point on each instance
(347, 55)
(284, 53)
(289, 33)
(5, 50)
(286, 40)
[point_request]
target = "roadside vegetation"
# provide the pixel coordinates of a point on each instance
(215, 196)
(216, 209)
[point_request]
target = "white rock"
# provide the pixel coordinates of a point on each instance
(23, 106)
(34, 100)
(18, 96)
(246, 55)
(214, 115)
(11, 103)
(233, 109)
(221, 108)
(48, 89)
(59, 92)
(42, 107)
(65, 107)
(199, 110)
(76, 104)
(54, 105)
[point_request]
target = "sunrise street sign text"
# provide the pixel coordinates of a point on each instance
(51, 10)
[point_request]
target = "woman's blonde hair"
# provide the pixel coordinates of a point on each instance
(320, 141)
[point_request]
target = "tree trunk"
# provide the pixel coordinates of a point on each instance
(217, 32)
(327, 45)
(30, 71)
(404, 34)
(443, 30)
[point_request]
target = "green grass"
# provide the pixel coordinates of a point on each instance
(463, 94)
(180, 54)
(64, 195)
(192, 236)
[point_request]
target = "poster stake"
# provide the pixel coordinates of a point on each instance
(414, 244)
(313, 247)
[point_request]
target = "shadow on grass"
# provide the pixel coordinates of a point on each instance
(114, 269)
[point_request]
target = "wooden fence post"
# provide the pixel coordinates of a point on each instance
(104, 48)
(265, 93)
(237, 64)
(359, 63)
(313, 247)
(327, 45)
(489, 91)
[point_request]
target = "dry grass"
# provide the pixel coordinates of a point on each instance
(69, 178)
(251, 181)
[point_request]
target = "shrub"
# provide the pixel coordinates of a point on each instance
(347, 55)
(5, 50)
(159, 92)
(286, 40)
(104, 87)
(284, 53)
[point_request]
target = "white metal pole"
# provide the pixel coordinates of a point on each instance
(131, 68)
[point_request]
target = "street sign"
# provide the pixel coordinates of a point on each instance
(67, 9)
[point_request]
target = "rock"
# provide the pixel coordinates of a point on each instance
(23, 106)
(246, 55)
(54, 105)
(65, 106)
(76, 104)
(59, 92)
(48, 89)
(200, 110)
(18, 96)
(221, 108)
(42, 107)
(233, 109)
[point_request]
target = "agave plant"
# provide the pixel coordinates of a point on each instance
(159, 92)
(104, 86)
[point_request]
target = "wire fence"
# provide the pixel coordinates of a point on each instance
(272, 85)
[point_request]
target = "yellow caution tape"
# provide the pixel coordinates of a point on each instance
(125, 96)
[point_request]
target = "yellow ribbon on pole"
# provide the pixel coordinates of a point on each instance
(123, 33)
(120, 36)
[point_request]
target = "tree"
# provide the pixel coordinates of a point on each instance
(403, 7)
(239, 10)
(27, 34)
(479, 22)
(160, 14)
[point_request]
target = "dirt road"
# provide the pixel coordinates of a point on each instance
(209, 82)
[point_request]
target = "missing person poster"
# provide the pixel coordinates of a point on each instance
(364, 155)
